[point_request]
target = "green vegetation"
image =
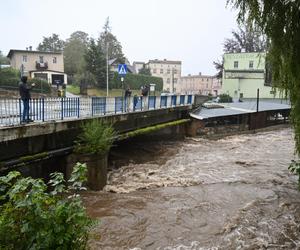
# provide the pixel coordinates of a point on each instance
(32, 218)
(225, 98)
(135, 81)
(10, 78)
(74, 89)
(3, 59)
(51, 43)
(148, 130)
(96, 138)
(41, 86)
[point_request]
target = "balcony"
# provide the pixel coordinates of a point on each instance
(41, 66)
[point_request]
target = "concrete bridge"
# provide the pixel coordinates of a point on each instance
(57, 121)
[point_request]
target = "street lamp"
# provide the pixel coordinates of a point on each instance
(106, 63)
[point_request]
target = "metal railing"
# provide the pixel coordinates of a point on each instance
(54, 109)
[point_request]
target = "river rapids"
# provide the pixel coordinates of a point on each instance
(231, 193)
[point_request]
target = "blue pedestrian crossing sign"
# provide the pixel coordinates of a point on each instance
(122, 69)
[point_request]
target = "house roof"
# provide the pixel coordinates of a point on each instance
(12, 51)
(164, 61)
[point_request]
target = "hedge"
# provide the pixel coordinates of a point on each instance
(135, 81)
(10, 78)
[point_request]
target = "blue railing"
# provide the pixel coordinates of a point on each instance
(53, 109)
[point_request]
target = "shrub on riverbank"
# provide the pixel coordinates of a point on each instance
(32, 218)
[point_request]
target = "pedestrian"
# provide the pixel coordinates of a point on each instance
(127, 98)
(24, 90)
(145, 91)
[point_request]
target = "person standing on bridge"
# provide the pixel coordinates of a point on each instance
(24, 90)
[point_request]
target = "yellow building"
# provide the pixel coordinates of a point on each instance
(169, 71)
(37, 64)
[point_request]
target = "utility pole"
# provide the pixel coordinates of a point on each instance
(107, 29)
(106, 65)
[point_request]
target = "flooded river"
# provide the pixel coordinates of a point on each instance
(231, 193)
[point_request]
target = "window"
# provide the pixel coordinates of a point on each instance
(168, 71)
(168, 80)
(236, 64)
(41, 59)
(175, 80)
(24, 58)
(207, 79)
(175, 71)
(54, 59)
(154, 70)
(161, 71)
(250, 64)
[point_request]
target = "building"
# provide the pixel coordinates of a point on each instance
(216, 86)
(244, 73)
(39, 64)
(198, 84)
(138, 66)
(169, 71)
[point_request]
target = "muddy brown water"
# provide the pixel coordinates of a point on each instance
(231, 193)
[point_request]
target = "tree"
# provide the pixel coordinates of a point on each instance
(280, 21)
(51, 44)
(3, 59)
(96, 62)
(108, 41)
(219, 67)
(74, 51)
(245, 39)
(145, 71)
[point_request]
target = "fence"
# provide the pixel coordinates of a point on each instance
(53, 109)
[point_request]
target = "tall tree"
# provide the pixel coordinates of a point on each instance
(3, 59)
(96, 62)
(74, 51)
(109, 42)
(280, 21)
(51, 44)
(245, 39)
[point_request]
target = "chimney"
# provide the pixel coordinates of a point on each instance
(30, 48)
(200, 73)
(26, 48)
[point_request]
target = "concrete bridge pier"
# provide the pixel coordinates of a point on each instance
(96, 165)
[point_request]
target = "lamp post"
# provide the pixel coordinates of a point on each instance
(106, 64)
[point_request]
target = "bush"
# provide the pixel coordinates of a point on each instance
(136, 81)
(9, 78)
(225, 98)
(32, 218)
(41, 86)
(97, 138)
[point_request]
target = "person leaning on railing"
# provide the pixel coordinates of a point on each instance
(24, 90)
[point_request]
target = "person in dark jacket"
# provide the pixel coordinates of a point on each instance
(25, 97)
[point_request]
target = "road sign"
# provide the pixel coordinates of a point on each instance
(122, 69)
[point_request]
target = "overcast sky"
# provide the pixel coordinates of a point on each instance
(188, 30)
